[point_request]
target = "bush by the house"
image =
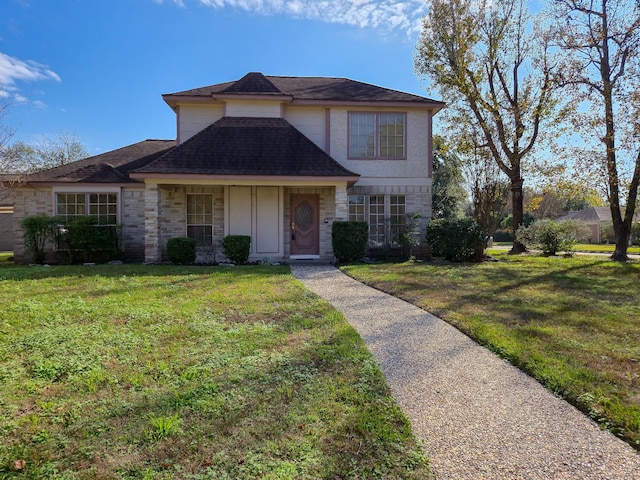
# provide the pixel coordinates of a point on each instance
(349, 240)
(181, 250)
(456, 239)
(550, 236)
(87, 239)
(409, 234)
(39, 230)
(237, 248)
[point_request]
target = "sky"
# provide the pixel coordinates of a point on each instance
(98, 68)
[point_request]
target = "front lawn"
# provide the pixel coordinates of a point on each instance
(572, 323)
(160, 372)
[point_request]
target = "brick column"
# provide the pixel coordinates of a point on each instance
(151, 223)
(342, 206)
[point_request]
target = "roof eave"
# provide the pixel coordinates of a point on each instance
(236, 179)
(435, 105)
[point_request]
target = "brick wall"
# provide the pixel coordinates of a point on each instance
(27, 202)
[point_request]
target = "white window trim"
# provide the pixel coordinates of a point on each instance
(88, 190)
(213, 216)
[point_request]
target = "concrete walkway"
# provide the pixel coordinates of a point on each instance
(478, 416)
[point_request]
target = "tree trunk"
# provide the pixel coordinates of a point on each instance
(517, 200)
(623, 233)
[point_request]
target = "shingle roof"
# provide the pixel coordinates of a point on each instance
(590, 214)
(248, 146)
(306, 88)
(109, 167)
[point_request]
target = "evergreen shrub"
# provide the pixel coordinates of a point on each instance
(181, 250)
(237, 248)
(349, 240)
(455, 239)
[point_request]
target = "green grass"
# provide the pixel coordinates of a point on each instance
(572, 323)
(161, 372)
(586, 247)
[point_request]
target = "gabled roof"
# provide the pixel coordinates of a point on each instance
(595, 215)
(590, 214)
(248, 146)
(109, 167)
(301, 89)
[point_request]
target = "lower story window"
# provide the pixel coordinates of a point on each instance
(386, 215)
(200, 218)
(104, 206)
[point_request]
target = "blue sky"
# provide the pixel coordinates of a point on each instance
(98, 68)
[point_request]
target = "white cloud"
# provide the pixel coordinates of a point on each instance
(13, 70)
(380, 14)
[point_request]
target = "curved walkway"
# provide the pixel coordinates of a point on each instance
(478, 416)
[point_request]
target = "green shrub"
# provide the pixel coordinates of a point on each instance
(408, 235)
(456, 239)
(87, 239)
(181, 250)
(39, 230)
(635, 233)
(550, 236)
(237, 248)
(349, 240)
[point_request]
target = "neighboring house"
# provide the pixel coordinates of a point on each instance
(276, 158)
(6, 215)
(598, 221)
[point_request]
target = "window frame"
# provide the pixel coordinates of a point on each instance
(377, 135)
(87, 204)
(201, 224)
(390, 222)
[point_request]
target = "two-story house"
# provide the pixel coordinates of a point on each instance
(276, 158)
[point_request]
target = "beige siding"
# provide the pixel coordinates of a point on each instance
(412, 171)
(6, 232)
(194, 118)
(310, 121)
(240, 211)
(253, 109)
(267, 241)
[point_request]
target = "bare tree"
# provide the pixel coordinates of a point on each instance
(600, 42)
(45, 153)
(484, 57)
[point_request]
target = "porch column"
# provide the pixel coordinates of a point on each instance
(342, 206)
(151, 223)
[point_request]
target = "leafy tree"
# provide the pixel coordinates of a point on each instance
(47, 152)
(600, 43)
(485, 57)
(448, 194)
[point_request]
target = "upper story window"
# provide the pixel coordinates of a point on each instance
(377, 135)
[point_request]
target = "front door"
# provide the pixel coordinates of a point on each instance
(305, 238)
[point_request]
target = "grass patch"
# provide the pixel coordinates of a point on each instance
(161, 372)
(572, 323)
(586, 247)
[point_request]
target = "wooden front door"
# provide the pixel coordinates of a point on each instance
(305, 237)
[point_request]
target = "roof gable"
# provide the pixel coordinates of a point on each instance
(241, 146)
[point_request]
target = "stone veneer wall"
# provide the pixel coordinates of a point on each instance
(132, 220)
(327, 210)
(417, 199)
(173, 212)
(27, 202)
